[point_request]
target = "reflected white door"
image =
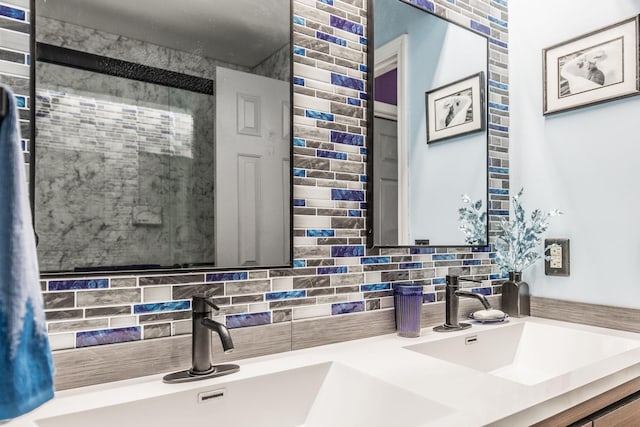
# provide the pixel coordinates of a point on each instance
(252, 169)
(385, 201)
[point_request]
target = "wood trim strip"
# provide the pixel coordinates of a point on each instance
(625, 319)
(100, 364)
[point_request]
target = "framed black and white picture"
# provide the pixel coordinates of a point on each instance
(593, 68)
(456, 109)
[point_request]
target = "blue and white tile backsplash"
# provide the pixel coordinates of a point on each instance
(333, 272)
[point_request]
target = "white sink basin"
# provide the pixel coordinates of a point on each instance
(528, 353)
(326, 394)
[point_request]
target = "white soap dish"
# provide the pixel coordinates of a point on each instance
(491, 315)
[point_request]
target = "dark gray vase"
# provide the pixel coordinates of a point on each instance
(515, 295)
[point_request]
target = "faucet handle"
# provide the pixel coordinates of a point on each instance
(200, 302)
(210, 303)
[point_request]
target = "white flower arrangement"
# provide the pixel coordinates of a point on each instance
(517, 240)
(473, 222)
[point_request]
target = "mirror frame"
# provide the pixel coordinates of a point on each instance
(98, 271)
(370, 118)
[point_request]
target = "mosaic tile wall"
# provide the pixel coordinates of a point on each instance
(15, 25)
(334, 273)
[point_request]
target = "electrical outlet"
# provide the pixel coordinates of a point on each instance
(556, 257)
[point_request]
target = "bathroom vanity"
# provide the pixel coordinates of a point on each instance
(517, 373)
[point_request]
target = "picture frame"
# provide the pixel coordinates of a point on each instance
(456, 109)
(596, 67)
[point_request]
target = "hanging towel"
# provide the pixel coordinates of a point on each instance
(26, 368)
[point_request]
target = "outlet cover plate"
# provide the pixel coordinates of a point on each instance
(557, 267)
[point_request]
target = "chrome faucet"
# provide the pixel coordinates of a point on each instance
(201, 361)
(452, 295)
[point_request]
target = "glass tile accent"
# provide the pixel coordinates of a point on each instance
(346, 25)
(161, 306)
(353, 195)
(498, 85)
(497, 21)
(332, 270)
(494, 169)
(499, 212)
(297, 50)
(354, 213)
(21, 101)
(299, 202)
(425, 4)
(321, 233)
(363, 68)
(409, 265)
(503, 191)
(443, 257)
(298, 20)
(498, 43)
(319, 115)
(346, 81)
(364, 41)
(223, 277)
(429, 297)
(274, 296)
(13, 13)
(375, 260)
(438, 281)
(498, 127)
(299, 142)
(354, 101)
(475, 25)
(66, 285)
(421, 251)
(329, 2)
(483, 291)
(251, 319)
(347, 251)
(299, 263)
(347, 307)
(107, 336)
(298, 81)
(375, 287)
(497, 106)
(299, 172)
(471, 262)
(332, 39)
(331, 154)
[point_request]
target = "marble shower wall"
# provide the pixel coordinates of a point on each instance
(124, 171)
(333, 274)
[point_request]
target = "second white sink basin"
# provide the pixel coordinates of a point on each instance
(320, 395)
(528, 353)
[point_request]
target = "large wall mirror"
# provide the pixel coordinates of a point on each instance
(429, 138)
(163, 134)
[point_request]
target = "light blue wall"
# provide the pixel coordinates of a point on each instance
(439, 173)
(584, 162)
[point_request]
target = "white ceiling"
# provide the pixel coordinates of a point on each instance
(243, 32)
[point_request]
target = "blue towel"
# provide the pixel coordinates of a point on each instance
(26, 368)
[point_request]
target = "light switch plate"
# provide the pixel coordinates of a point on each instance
(558, 252)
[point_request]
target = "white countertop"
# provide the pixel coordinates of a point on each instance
(474, 397)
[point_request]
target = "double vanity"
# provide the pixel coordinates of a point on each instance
(515, 373)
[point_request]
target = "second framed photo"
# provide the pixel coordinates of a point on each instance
(456, 109)
(592, 68)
